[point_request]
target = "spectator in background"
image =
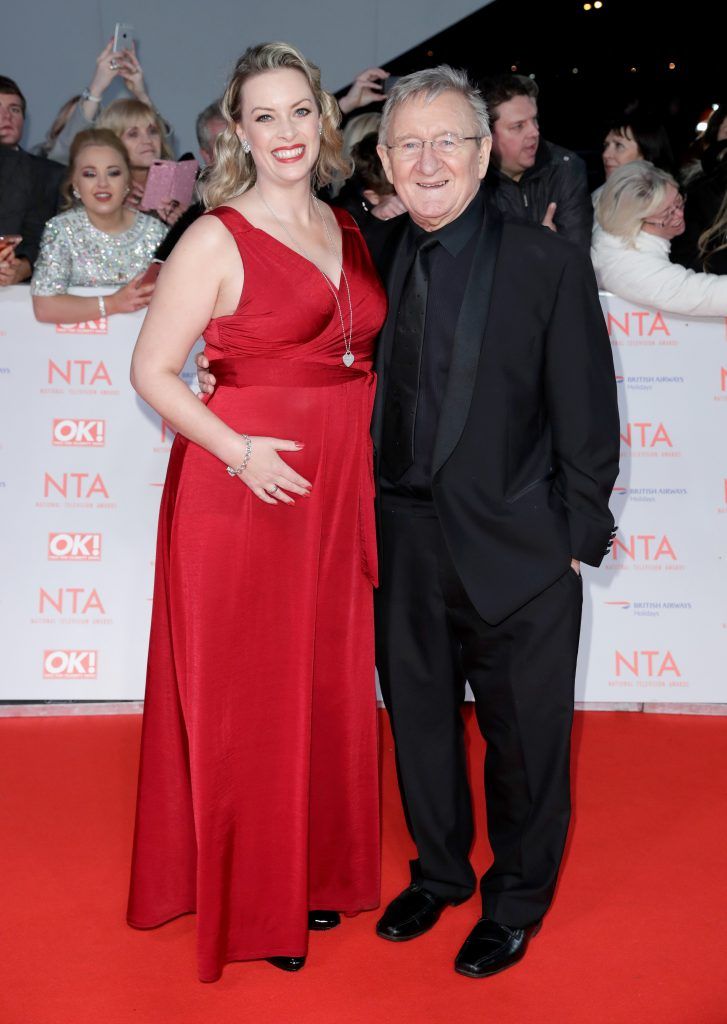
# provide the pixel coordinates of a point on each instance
(60, 121)
(528, 178)
(637, 136)
(144, 134)
(208, 126)
(74, 117)
(29, 189)
(368, 192)
(701, 153)
(700, 247)
(638, 212)
(712, 243)
(98, 241)
(356, 128)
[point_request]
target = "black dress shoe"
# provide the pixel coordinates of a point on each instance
(287, 963)
(323, 920)
(491, 947)
(412, 913)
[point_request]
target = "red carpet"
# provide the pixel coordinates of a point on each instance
(636, 934)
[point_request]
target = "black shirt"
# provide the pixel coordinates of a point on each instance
(449, 267)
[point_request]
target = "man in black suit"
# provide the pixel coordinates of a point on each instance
(496, 435)
(29, 189)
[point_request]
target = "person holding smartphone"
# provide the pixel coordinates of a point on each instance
(97, 240)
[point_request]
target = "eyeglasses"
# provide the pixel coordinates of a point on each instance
(669, 215)
(412, 149)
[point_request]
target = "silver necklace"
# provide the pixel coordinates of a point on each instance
(348, 356)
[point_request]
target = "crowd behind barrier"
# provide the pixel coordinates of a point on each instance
(83, 460)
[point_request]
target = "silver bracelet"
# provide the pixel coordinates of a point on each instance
(246, 458)
(86, 95)
(102, 307)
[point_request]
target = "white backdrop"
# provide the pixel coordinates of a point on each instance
(82, 461)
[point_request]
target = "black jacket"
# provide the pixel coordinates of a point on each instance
(29, 196)
(527, 445)
(558, 176)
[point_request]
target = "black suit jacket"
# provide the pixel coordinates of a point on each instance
(29, 196)
(527, 447)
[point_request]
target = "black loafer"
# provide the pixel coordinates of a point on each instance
(323, 920)
(412, 913)
(491, 947)
(287, 963)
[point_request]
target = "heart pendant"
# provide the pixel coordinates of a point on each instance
(348, 358)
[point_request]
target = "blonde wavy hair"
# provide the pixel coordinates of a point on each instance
(233, 170)
(123, 114)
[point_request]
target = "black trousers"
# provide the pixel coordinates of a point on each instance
(429, 641)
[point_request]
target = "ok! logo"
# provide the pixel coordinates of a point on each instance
(74, 547)
(100, 326)
(65, 664)
(79, 433)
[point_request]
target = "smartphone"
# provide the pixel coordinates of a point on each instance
(168, 179)
(151, 273)
(389, 83)
(123, 36)
(11, 240)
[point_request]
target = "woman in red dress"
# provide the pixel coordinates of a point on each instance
(258, 790)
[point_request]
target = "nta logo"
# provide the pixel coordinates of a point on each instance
(637, 323)
(74, 547)
(70, 664)
(80, 433)
(646, 435)
(649, 663)
(80, 485)
(78, 371)
(71, 600)
(647, 547)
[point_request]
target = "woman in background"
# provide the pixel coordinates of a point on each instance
(638, 212)
(96, 242)
(144, 134)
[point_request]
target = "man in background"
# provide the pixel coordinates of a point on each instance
(529, 178)
(29, 189)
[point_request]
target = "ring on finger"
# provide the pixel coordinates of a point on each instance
(272, 490)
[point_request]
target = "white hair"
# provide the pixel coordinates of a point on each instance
(429, 84)
(631, 194)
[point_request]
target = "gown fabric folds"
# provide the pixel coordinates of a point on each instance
(258, 786)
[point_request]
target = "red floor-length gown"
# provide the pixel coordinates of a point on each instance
(258, 789)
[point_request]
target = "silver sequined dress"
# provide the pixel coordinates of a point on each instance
(73, 253)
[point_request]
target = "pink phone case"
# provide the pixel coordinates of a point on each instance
(169, 180)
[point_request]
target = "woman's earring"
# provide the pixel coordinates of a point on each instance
(320, 129)
(245, 146)
(76, 194)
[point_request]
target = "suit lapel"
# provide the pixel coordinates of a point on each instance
(468, 339)
(392, 267)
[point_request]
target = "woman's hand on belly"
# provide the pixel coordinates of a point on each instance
(267, 475)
